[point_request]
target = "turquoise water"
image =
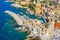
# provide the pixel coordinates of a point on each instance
(7, 23)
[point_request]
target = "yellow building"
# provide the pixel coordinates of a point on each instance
(38, 9)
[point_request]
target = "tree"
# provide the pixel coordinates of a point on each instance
(31, 6)
(44, 1)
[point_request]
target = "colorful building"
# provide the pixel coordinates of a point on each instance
(57, 25)
(25, 2)
(38, 9)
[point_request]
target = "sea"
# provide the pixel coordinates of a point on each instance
(8, 24)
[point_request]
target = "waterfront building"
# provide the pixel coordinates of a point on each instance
(22, 2)
(25, 2)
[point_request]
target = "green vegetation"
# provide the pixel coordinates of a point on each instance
(24, 5)
(51, 3)
(44, 1)
(32, 7)
(31, 0)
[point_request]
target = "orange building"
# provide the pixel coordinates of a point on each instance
(57, 25)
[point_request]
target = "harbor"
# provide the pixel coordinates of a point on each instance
(35, 27)
(46, 22)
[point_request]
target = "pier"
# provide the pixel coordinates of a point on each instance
(15, 17)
